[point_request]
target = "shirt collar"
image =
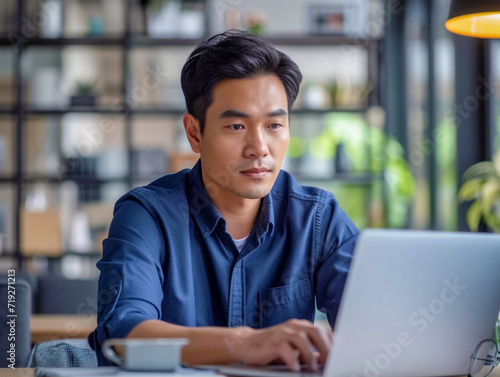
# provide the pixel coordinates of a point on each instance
(204, 213)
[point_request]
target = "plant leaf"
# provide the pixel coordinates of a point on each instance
(496, 162)
(470, 189)
(493, 222)
(489, 194)
(481, 170)
(474, 215)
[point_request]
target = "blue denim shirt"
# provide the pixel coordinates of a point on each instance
(168, 256)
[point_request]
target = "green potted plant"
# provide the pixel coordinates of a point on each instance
(85, 94)
(255, 23)
(482, 186)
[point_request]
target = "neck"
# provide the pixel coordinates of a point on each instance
(240, 216)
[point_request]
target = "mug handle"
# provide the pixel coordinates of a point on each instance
(109, 353)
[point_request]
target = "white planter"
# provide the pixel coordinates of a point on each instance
(165, 22)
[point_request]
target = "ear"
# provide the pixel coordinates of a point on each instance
(192, 128)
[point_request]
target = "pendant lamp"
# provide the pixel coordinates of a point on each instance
(475, 18)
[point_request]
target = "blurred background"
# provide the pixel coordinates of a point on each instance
(393, 110)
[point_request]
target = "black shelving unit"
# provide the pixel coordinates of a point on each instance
(127, 42)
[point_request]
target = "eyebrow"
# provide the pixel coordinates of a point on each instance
(238, 114)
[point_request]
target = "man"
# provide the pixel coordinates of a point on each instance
(233, 253)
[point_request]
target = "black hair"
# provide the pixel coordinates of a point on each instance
(234, 54)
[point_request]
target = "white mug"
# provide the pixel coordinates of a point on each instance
(162, 354)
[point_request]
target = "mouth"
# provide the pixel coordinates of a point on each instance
(256, 173)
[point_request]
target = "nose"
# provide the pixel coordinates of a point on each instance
(256, 145)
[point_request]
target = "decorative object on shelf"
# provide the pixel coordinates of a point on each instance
(40, 233)
(479, 19)
(97, 26)
(334, 19)
(175, 18)
(78, 167)
(149, 162)
(333, 89)
(112, 162)
(3, 236)
(232, 17)
(163, 18)
(51, 25)
(482, 186)
(80, 239)
(45, 86)
(192, 19)
(143, 4)
(315, 96)
(85, 94)
(3, 153)
(255, 22)
(294, 155)
(3, 229)
(342, 162)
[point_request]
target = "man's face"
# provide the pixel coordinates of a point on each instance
(245, 138)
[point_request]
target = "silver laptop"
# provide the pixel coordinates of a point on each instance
(416, 303)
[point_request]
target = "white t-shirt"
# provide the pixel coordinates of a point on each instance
(240, 243)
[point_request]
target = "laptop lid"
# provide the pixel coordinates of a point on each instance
(416, 303)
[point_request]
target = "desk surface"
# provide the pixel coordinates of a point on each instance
(29, 372)
(45, 327)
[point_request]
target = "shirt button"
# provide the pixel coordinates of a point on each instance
(236, 323)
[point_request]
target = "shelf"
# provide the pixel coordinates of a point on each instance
(7, 110)
(318, 40)
(60, 42)
(83, 179)
(158, 110)
(78, 179)
(4, 179)
(164, 110)
(284, 40)
(145, 41)
(127, 44)
(118, 110)
(361, 109)
(120, 41)
(153, 110)
(91, 254)
(344, 178)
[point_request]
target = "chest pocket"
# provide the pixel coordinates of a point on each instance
(277, 305)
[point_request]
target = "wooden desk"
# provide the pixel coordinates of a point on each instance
(19, 372)
(46, 327)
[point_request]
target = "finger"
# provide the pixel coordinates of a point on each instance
(330, 336)
(319, 338)
(322, 342)
(289, 356)
(300, 340)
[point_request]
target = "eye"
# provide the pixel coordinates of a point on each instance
(275, 126)
(236, 127)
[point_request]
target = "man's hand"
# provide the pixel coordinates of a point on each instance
(291, 342)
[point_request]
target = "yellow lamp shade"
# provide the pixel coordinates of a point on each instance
(475, 18)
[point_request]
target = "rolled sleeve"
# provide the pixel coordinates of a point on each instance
(130, 284)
